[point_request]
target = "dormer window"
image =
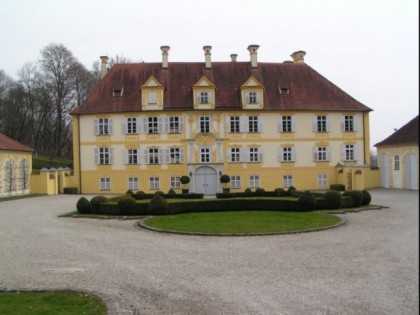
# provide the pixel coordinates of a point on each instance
(203, 98)
(284, 91)
(252, 98)
(152, 97)
(117, 93)
(252, 94)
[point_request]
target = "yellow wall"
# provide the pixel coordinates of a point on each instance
(305, 170)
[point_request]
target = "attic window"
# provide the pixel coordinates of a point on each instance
(284, 90)
(117, 93)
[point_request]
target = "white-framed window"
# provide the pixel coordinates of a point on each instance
(286, 124)
(154, 183)
(132, 125)
(287, 154)
(235, 182)
(234, 155)
(253, 124)
(152, 97)
(321, 123)
(255, 155)
(103, 156)
(287, 181)
(176, 124)
(254, 181)
(132, 156)
(252, 97)
(322, 180)
(105, 183)
(396, 162)
(203, 98)
(205, 155)
(103, 126)
(349, 152)
(133, 183)
(235, 124)
(322, 154)
(175, 182)
(153, 156)
(204, 124)
(349, 123)
(152, 124)
(176, 155)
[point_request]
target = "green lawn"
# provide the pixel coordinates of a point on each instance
(242, 222)
(50, 303)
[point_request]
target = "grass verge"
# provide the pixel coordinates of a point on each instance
(57, 303)
(243, 222)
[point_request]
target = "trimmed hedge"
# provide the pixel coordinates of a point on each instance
(356, 195)
(306, 201)
(158, 205)
(333, 198)
(95, 204)
(366, 197)
(127, 204)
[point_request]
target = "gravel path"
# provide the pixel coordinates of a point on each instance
(368, 266)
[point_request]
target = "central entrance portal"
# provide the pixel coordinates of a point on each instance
(205, 179)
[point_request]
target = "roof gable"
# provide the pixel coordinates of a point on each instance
(407, 134)
(7, 143)
(204, 82)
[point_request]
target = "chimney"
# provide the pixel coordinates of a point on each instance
(104, 65)
(233, 57)
(207, 54)
(253, 53)
(298, 56)
(165, 50)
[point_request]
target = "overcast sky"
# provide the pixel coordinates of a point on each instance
(368, 48)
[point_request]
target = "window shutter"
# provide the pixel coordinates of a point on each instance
(160, 124)
(111, 155)
(229, 154)
(124, 125)
(355, 123)
(260, 154)
(343, 152)
(210, 124)
(96, 155)
(227, 124)
(314, 124)
(356, 152)
(125, 156)
(294, 154)
(280, 154)
(146, 156)
(139, 156)
(328, 123)
(181, 155)
(293, 123)
(110, 126)
(144, 125)
(328, 154)
(181, 123)
(342, 123)
(260, 123)
(244, 154)
(279, 124)
(96, 127)
(209, 95)
(243, 124)
(258, 97)
(314, 153)
(247, 98)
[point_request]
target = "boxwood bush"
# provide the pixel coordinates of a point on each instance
(333, 198)
(356, 195)
(158, 205)
(127, 205)
(306, 201)
(83, 205)
(95, 203)
(366, 197)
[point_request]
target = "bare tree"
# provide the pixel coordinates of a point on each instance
(24, 178)
(9, 176)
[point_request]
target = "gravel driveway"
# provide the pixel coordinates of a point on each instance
(368, 266)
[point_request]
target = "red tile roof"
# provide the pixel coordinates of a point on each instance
(7, 143)
(308, 90)
(408, 134)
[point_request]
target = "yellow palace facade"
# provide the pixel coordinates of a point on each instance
(268, 125)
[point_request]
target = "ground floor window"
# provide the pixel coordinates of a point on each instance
(154, 183)
(235, 182)
(322, 180)
(133, 183)
(254, 181)
(105, 183)
(175, 182)
(396, 162)
(287, 181)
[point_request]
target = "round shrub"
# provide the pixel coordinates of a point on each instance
(83, 205)
(356, 196)
(333, 198)
(259, 191)
(306, 201)
(129, 192)
(184, 180)
(159, 192)
(158, 205)
(289, 190)
(366, 197)
(127, 205)
(95, 203)
(139, 195)
(224, 179)
(171, 192)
